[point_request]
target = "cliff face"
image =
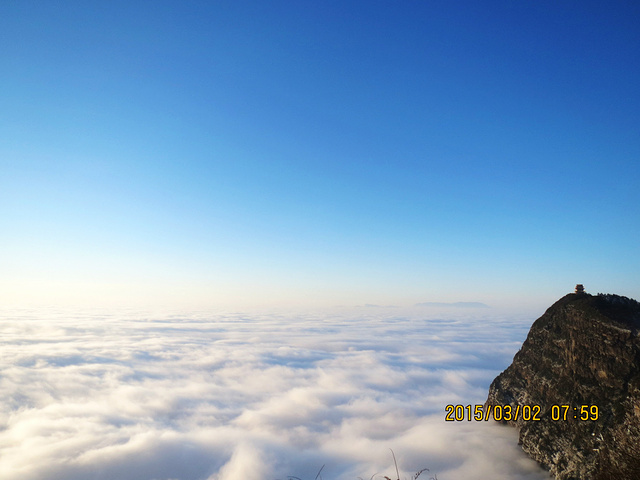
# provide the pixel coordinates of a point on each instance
(584, 350)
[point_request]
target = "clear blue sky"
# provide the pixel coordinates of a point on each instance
(242, 154)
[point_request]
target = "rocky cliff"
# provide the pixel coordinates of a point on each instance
(584, 352)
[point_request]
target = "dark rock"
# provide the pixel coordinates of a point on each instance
(584, 351)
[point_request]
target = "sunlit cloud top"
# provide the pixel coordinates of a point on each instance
(131, 396)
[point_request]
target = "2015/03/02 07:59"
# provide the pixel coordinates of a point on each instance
(459, 413)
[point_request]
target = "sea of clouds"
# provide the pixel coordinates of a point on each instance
(131, 396)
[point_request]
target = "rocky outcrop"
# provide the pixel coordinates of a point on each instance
(584, 352)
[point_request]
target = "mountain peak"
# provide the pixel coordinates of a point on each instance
(580, 365)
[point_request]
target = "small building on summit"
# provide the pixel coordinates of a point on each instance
(579, 288)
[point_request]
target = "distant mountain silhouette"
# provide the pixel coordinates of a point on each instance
(453, 304)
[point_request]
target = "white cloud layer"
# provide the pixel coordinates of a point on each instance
(252, 397)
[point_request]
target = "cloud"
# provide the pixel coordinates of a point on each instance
(232, 396)
(247, 462)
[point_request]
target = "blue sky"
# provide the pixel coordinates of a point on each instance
(318, 153)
